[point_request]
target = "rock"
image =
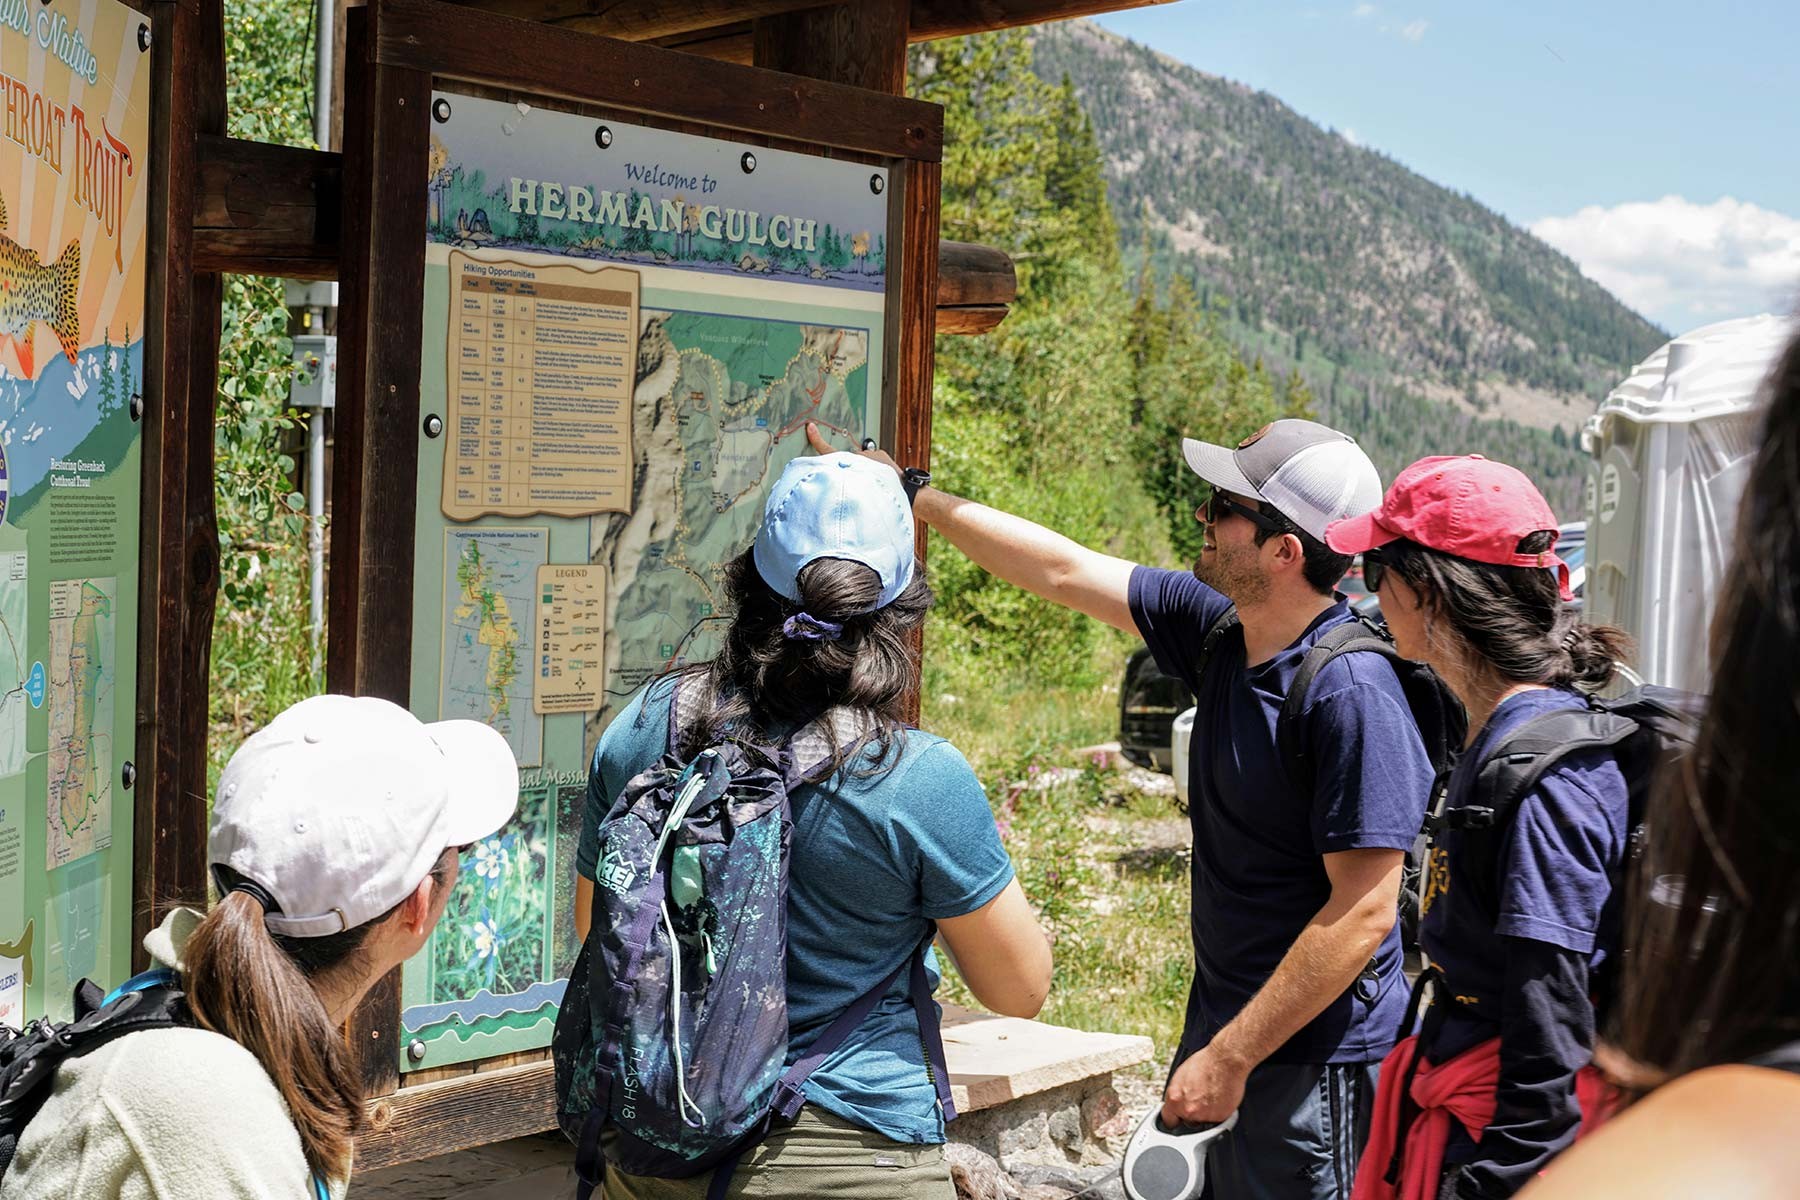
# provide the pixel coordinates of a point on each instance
(1104, 1117)
(1065, 1130)
(1090, 1183)
(977, 1176)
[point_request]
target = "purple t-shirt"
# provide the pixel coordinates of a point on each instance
(1555, 867)
(1258, 872)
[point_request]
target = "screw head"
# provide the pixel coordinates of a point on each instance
(878, 183)
(748, 162)
(434, 425)
(603, 137)
(415, 1050)
(143, 36)
(137, 406)
(128, 774)
(440, 110)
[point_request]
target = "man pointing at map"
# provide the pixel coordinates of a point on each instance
(1297, 991)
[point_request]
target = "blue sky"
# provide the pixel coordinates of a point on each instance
(1657, 144)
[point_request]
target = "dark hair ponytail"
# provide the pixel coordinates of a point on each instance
(1513, 618)
(258, 989)
(769, 674)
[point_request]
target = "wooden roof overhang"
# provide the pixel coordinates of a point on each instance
(727, 29)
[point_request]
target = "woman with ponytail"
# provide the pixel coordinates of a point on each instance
(334, 844)
(891, 833)
(1517, 916)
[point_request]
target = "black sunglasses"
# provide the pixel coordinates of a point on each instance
(1218, 505)
(1375, 569)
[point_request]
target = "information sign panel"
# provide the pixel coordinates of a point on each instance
(74, 155)
(626, 330)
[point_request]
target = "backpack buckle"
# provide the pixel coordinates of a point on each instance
(789, 1099)
(1474, 816)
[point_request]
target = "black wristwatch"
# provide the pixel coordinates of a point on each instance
(912, 479)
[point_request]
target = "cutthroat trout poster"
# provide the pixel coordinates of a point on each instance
(74, 197)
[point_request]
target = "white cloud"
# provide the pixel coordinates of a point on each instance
(1412, 31)
(1684, 264)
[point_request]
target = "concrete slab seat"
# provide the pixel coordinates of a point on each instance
(1031, 1093)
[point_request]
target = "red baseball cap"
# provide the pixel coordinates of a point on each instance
(1464, 505)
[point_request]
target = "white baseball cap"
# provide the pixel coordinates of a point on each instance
(837, 506)
(341, 805)
(1309, 473)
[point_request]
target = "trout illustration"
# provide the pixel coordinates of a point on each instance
(31, 292)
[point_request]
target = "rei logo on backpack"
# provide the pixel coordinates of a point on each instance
(672, 1038)
(29, 1057)
(1646, 729)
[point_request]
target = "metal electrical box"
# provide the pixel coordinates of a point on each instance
(315, 372)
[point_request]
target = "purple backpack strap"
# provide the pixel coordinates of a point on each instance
(790, 1094)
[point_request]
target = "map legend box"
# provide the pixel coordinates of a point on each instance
(572, 634)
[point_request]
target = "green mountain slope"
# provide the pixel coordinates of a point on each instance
(1335, 258)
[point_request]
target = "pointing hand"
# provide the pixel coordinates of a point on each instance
(821, 446)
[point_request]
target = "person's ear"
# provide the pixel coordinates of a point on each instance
(416, 909)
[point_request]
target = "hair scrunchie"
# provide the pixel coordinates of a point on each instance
(804, 627)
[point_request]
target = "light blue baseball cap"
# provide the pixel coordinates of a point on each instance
(836, 506)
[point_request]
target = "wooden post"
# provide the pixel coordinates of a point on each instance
(180, 542)
(386, 127)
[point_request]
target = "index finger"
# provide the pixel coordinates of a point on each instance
(817, 440)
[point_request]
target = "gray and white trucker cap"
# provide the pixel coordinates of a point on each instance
(1310, 474)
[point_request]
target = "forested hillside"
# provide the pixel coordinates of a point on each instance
(1326, 255)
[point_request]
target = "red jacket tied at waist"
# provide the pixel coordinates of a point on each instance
(1460, 1089)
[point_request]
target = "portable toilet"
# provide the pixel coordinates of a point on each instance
(1671, 449)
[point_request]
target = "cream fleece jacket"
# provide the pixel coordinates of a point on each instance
(163, 1114)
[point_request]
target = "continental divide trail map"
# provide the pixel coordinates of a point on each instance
(729, 399)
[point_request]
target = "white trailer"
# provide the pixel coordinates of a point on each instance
(1671, 449)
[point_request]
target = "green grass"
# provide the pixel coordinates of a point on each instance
(1104, 864)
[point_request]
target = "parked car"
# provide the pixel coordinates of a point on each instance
(1148, 702)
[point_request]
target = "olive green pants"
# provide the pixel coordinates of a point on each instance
(820, 1154)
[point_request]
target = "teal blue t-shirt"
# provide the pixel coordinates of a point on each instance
(872, 861)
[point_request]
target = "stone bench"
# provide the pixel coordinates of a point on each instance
(1031, 1093)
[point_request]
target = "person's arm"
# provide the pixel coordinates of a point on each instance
(1320, 966)
(1724, 1131)
(584, 906)
(1001, 953)
(1022, 552)
(1546, 1036)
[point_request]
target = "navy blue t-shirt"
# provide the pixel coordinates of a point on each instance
(1258, 872)
(1555, 862)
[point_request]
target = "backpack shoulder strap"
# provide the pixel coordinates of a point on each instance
(149, 1001)
(1222, 624)
(1520, 760)
(1352, 637)
(687, 699)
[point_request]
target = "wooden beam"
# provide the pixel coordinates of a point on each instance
(970, 320)
(969, 274)
(262, 209)
(277, 210)
(639, 20)
(861, 44)
(444, 40)
(454, 1114)
(933, 19)
(719, 29)
(179, 541)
